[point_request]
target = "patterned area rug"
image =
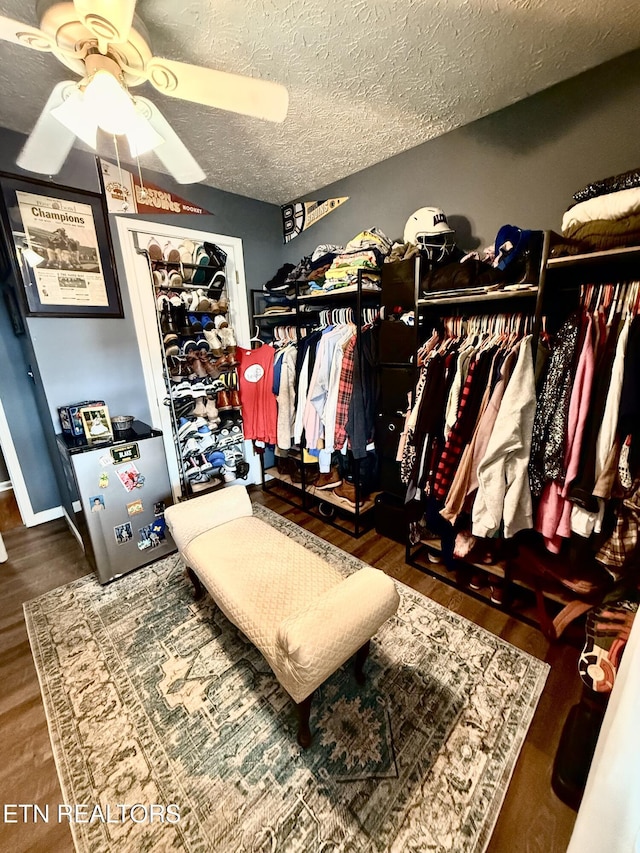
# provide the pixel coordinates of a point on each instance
(158, 704)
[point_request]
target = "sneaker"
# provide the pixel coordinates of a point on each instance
(181, 390)
(228, 474)
(191, 468)
(204, 463)
(217, 458)
(186, 427)
(201, 259)
(196, 325)
(198, 388)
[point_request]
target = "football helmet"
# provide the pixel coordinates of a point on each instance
(428, 229)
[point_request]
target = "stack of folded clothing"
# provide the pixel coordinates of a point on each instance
(606, 214)
(365, 253)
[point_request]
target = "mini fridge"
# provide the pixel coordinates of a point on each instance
(115, 494)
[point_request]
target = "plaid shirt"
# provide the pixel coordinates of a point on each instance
(621, 547)
(345, 392)
(455, 443)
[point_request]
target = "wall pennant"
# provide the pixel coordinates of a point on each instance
(125, 194)
(297, 216)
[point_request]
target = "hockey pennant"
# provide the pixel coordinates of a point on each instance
(297, 216)
(125, 194)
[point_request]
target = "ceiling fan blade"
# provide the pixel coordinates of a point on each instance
(233, 92)
(172, 153)
(108, 20)
(20, 33)
(49, 143)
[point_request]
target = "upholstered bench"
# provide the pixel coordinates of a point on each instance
(305, 617)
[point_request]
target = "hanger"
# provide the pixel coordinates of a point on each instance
(256, 338)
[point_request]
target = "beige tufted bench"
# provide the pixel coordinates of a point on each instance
(305, 617)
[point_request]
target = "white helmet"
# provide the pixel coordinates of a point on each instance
(428, 228)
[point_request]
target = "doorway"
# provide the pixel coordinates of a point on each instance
(135, 234)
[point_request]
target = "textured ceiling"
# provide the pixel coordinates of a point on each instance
(367, 79)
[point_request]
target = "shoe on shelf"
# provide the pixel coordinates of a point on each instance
(347, 491)
(330, 480)
(477, 580)
(186, 427)
(200, 408)
(170, 343)
(196, 325)
(223, 401)
(214, 342)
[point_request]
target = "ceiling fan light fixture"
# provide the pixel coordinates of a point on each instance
(110, 103)
(142, 137)
(76, 118)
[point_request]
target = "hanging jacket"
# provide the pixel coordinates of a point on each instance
(504, 496)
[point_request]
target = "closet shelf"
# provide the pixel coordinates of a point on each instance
(280, 314)
(166, 288)
(602, 257)
(340, 293)
(175, 265)
(323, 495)
(490, 296)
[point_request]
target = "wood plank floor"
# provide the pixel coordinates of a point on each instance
(532, 820)
(9, 513)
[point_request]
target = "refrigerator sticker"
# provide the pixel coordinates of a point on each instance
(135, 507)
(123, 533)
(159, 508)
(130, 477)
(126, 453)
(152, 535)
(103, 482)
(106, 460)
(96, 503)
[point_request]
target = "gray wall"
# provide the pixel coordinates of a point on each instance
(519, 166)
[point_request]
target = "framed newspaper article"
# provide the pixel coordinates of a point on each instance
(62, 249)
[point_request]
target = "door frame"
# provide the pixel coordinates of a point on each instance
(18, 483)
(144, 316)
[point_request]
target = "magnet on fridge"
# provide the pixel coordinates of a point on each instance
(103, 482)
(135, 507)
(96, 503)
(123, 533)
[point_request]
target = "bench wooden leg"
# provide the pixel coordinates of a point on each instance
(361, 655)
(304, 712)
(198, 589)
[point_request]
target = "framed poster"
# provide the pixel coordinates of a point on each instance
(61, 249)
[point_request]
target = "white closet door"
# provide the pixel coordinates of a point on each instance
(133, 233)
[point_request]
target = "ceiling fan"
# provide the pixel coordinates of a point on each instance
(106, 43)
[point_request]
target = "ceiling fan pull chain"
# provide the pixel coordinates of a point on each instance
(143, 190)
(125, 205)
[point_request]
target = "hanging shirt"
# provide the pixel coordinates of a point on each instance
(504, 496)
(255, 374)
